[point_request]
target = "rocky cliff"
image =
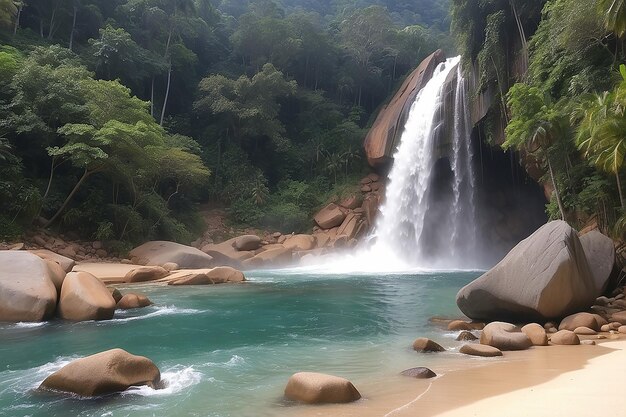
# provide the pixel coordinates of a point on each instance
(383, 137)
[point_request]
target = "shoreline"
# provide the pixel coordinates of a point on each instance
(492, 387)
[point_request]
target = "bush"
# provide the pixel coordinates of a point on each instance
(286, 218)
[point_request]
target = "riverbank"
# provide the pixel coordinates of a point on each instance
(568, 380)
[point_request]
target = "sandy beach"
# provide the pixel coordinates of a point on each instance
(566, 380)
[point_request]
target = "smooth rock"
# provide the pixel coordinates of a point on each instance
(330, 216)
(588, 342)
(218, 275)
(457, 325)
(424, 344)
(26, 291)
(300, 242)
(270, 258)
(247, 242)
(351, 202)
(475, 349)
(605, 328)
(66, 263)
(56, 274)
(85, 297)
(585, 331)
(162, 252)
(419, 373)
(549, 325)
(115, 293)
(621, 329)
(107, 372)
(545, 276)
(600, 253)
(466, 336)
(130, 301)
(619, 317)
(504, 336)
(536, 333)
(573, 321)
(146, 273)
(171, 266)
(565, 337)
(316, 388)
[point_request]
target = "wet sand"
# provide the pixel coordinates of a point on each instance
(568, 380)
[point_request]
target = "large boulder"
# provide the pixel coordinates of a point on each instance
(565, 337)
(162, 252)
(107, 372)
(384, 135)
(504, 336)
(316, 388)
(545, 276)
(330, 216)
(26, 291)
(85, 297)
(600, 254)
(109, 273)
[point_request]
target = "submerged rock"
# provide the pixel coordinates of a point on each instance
(545, 276)
(424, 344)
(219, 275)
(26, 291)
(130, 301)
(316, 388)
(107, 372)
(419, 373)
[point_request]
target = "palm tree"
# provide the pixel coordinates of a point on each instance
(614, 12)
(602, 131)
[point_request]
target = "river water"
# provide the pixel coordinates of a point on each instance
(228, 350)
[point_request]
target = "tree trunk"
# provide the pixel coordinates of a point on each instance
(556, 190)
(54, 12)
(80, 182)
(619, 189)
(73, 27)
(167, 93)
(152, 98)
(52, 167)
(17, 19)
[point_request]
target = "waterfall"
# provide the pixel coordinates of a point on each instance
(409, 198)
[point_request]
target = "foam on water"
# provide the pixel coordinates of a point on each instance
(160, 311)
(175, 380)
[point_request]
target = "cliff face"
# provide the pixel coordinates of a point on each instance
(383, 137)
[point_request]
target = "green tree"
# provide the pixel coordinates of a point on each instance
(535, 126)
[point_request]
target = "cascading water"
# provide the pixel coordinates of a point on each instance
(417, 228)
(409, 197)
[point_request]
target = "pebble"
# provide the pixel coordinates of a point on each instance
(585, 331)
(605, 328)
(622, 329)
(588, 342)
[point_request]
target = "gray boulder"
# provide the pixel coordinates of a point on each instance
(600, 253)
(545, 276)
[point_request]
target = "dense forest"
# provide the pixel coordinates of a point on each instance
(117, 117)
(555, 71)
